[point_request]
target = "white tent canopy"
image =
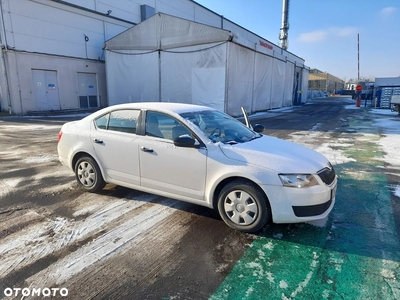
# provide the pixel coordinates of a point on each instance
(162, 32)
(170, 59)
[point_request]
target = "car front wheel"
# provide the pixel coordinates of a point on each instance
(88, 175)
(243, 206)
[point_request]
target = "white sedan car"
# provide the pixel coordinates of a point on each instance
(203, 156)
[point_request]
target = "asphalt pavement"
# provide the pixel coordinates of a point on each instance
(125, 244)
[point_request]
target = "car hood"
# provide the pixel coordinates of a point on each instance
(276, 154)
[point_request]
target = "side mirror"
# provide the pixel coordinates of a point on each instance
(258, 128)
(186, 141)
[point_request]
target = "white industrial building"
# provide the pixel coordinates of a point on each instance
(53, 57)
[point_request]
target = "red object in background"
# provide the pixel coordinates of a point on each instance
(358, 101)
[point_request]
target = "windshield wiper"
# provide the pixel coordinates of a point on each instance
(255, 137)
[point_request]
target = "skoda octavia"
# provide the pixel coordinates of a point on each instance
(203, 156)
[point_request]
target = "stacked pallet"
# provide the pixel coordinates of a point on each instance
(386, 96)
(395, 92)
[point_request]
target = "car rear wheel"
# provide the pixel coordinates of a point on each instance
(88, 175)
(243, 206)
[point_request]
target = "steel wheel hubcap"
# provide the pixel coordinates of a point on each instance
(86, 174)
(240, 207)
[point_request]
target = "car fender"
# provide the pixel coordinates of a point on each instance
(78, 151)
(211, 189)
(221, 168)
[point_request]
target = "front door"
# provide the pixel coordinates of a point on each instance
(46, 90)
(165, 167)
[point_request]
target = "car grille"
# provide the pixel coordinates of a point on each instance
(327, 175)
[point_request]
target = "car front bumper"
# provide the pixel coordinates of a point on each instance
(296, 205)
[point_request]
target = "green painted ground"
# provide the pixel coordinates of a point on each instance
(355, 255)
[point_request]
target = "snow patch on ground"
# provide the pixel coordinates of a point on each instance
(395, 189)
(390, 141)
(319, 223)
(313, 266)
(105, 245)
(388, 112)
(76, 116)
(87, 210)
(283, 284)
(335, 156)
(44, 158)
(13, 182)
(352, 106)
(34, 242)
(341, 144)
(30, 127)
(306, 138)
(13, 153)
(272, 113)
(8, 185)
(316, 127)
(389, 123)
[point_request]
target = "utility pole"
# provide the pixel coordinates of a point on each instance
(358, 53)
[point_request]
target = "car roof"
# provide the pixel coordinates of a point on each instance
(166, 107)
(163, 106)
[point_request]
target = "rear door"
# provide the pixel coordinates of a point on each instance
(115, 142)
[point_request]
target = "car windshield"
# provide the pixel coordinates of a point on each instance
(220, 127)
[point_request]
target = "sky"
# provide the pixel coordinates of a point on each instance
(324, 32)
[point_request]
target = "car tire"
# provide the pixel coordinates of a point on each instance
(88, 175)
(243, 206)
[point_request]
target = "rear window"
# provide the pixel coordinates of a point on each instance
(119, 120)
(101, 122)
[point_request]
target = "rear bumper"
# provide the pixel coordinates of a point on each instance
(64, 161)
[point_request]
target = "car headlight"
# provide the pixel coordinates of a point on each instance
(298, 180)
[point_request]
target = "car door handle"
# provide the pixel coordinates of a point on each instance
(97, 141)
(145, 149)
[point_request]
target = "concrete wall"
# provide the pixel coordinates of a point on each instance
(23, 96)
(44, 26)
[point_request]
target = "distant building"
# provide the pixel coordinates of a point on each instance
(384, 89)
(322, 81)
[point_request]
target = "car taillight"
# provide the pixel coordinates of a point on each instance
(60, 135)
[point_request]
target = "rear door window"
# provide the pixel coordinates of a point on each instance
(119, 120)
